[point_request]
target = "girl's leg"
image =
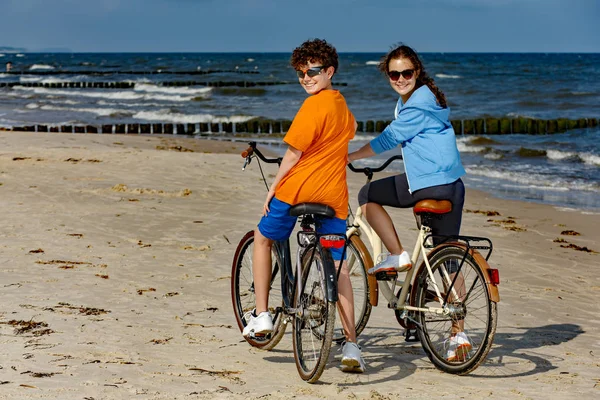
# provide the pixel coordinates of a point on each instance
(391, 191)
(261, 269)
(382, 223)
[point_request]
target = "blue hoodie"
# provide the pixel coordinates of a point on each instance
(422, 127)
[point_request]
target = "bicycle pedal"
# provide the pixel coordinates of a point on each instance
(386, 275)
(410, 335)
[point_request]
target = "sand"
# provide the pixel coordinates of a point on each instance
(116, 254)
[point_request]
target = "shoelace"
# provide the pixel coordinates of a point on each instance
(381, 258)
(247, 316)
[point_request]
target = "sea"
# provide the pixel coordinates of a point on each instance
(561, 169)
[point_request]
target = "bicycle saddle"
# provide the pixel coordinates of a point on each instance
(433, 206)
(312, 208)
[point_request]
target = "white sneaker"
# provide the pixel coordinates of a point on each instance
(351, 359)
(393, 263)
(260, 324)
(458, 347)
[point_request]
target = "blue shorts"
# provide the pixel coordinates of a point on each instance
(278, 225)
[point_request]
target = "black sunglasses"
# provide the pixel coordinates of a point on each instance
(311, 72)
(406, 74)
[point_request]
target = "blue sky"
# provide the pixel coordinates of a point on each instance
(280, 25)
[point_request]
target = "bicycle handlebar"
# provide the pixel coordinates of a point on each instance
(370, 171)
(253, 150)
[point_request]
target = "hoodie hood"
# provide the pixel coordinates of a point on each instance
(424, 99)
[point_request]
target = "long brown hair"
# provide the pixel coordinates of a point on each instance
(403, 51)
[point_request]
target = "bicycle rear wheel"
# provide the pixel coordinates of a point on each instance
(360, 291)
(315, 316)
(473, 312)
(242, 293)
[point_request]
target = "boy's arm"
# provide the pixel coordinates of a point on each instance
(291, 158)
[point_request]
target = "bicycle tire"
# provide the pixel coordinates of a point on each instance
(314, 320)
(476, 310)
(357, 267)
(242, 293)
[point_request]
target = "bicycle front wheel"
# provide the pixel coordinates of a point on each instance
(457, 341)
(315, 316)
(242, 293)
(360, 289)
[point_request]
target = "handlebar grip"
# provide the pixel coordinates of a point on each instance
(247, 152)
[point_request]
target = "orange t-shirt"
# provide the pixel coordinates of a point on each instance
(321, 130)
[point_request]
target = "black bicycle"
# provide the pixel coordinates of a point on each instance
(307, 294)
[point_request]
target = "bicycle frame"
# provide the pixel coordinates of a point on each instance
(398, 303)
(424, 241)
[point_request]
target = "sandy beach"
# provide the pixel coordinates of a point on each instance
(116, 254)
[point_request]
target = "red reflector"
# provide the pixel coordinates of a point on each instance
(494, 276)
(330, 241)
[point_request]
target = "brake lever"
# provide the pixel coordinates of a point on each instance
(247, 162)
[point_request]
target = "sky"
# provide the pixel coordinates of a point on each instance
(281, 25)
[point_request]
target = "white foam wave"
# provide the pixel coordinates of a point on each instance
(41, 66)
(517, 115)
(106, 94)
(105, 112)
(590, 158)
(168, 116)
(463, 147)
(142, 87)
(20, 55)
(372, 63)
(32, 106)
(560, 155)
(42, 79)
(532, 180)
(446, 76)
(493, 156)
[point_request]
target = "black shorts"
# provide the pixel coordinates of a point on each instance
(393, 192)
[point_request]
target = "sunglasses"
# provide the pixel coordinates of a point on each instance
(311, 72)
(406, 74)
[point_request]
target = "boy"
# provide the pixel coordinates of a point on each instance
(313, 170)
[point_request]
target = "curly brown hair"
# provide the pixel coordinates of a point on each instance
(315, 51)
(403, 51)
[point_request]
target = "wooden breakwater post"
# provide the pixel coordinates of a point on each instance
(262, 126)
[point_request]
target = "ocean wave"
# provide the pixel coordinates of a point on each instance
(42, 79)
(41, 66)
(465, 147)
(372, 63)
(518, 115)
(364, 137)
(167, 115)
(583, 93)
(533, 180)
(493, 156)
(143, 87)
(446, 76)
(103, 112)
(108, 94)
(561, 155)
(590, 158)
